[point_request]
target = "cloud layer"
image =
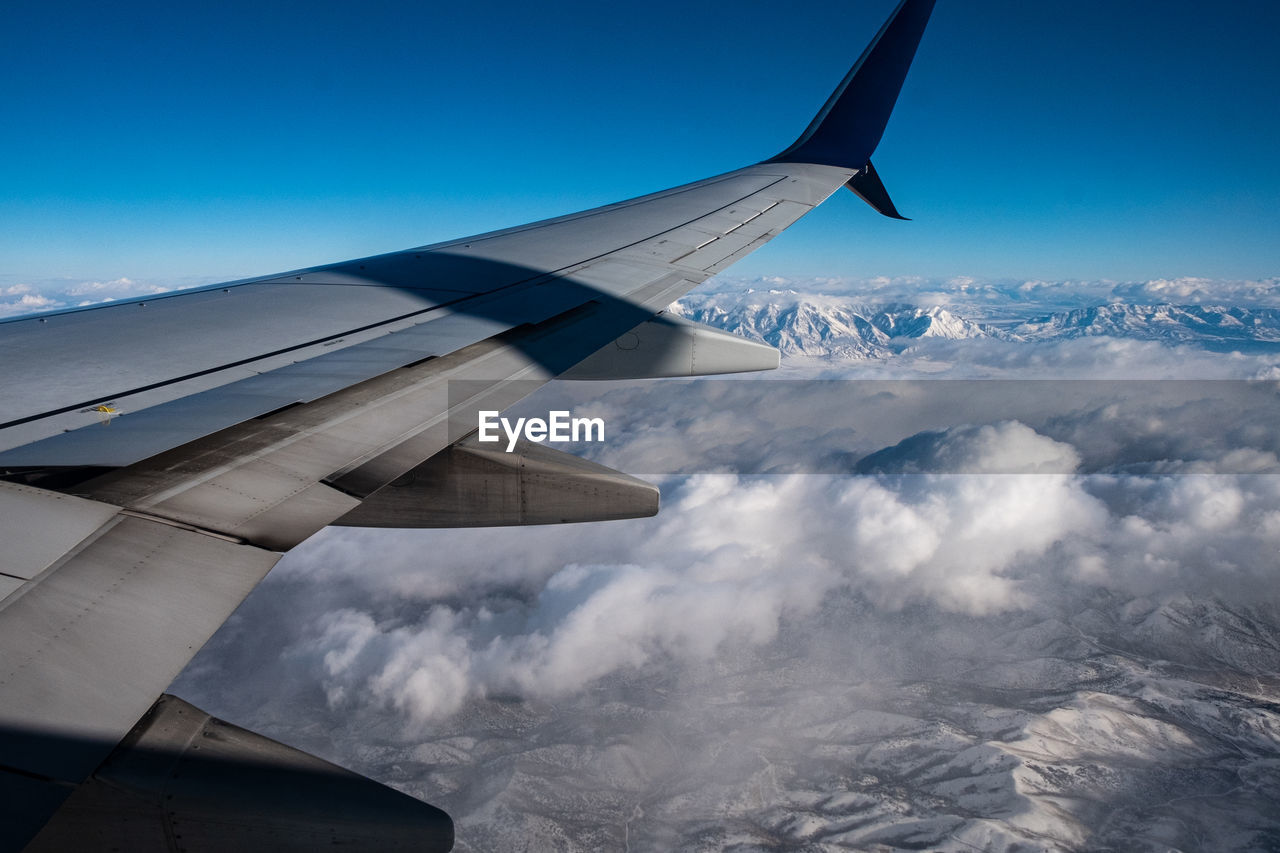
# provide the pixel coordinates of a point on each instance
(27, 298)
(547, 613)
(1042, 616)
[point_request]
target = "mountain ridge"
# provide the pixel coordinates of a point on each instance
(831, 327)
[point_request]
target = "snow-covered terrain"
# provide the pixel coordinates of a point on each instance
(1027, 629)
(829, 327)
(1184, 323)
(824, 326)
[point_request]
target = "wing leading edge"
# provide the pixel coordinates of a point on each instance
(229, 451)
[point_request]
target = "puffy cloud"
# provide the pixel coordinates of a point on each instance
(998, 297)
(729, 561)
(839, 425)
(25, 302)
(733, 560)
(1203, 291)
(26, 297)
(1104, 357)
(89, 292)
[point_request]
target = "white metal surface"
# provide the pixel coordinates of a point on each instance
(236, 352)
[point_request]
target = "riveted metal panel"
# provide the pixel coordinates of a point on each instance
(89, 647)
(8, 586)
(70, 359)
(38, 527)
(559, 243)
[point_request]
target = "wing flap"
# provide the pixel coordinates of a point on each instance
(89, 645)
(39, 527)
(475, 484)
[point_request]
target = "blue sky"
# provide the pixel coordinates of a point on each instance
(1053, 140)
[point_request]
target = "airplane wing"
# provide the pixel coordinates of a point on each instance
(158, 456)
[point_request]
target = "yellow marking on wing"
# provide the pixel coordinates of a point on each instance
(104, 412)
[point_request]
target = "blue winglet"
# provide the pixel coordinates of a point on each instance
(848, 128)
(870, 188)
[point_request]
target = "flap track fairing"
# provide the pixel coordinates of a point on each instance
(482, 485)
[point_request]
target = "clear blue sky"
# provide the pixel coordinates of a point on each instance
(172, 142)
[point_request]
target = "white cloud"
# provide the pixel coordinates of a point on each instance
(994, 648)
(731, 560)
(726, 563)
(56, 294)
(1202, 291)
(980, 299)
(89, 292)
(26, 303)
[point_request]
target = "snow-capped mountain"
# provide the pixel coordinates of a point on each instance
(826, 327)
(838, 328)
(1187, 323)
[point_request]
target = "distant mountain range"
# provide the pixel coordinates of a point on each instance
(827, 328)
(836, 328)
(1186, 323)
